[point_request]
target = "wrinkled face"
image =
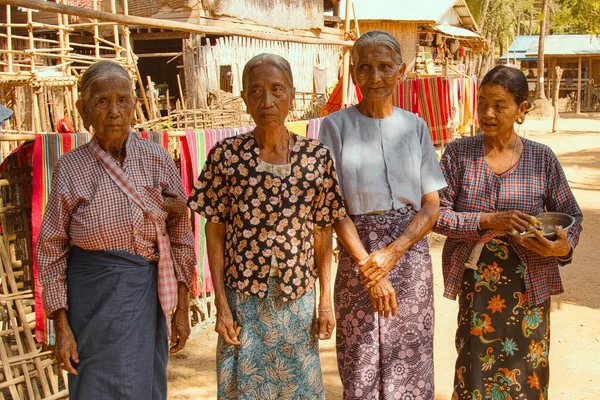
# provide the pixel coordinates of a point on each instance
(268, 96)
(497, 110)
(376, 72)
(109, 108)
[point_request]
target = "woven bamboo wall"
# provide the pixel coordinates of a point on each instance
(236, 51)
(405, 33)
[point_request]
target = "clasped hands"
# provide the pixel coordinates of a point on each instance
(373, 274)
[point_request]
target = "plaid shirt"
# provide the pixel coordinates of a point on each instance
(87, 209)
(536, 183)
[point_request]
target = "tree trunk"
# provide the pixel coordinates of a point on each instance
(519, 24)
(531, 21)
(487, 60)
(539, 88)
(559, 72)
(484, 10)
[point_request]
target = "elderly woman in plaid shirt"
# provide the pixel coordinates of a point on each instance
(496, 182)
(114, 256)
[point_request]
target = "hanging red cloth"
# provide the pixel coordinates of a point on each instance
(335, 100)
(64, 125)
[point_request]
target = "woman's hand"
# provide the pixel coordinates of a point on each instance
(325, 323)
(378, 265)
(175, 205)
(180, 328)
(548, 248)
(506, 221)
(65, 349)
(227, 327)
(383, 297)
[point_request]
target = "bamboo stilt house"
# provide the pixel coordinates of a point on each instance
(179, 55)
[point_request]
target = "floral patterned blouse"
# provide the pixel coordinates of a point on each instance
(268, 218)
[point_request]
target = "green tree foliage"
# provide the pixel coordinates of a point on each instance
(502, 17)
(575, 17)
(566, 17)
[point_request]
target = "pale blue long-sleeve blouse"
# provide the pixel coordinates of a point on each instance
(382, 164)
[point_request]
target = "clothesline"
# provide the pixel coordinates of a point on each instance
(30, 137)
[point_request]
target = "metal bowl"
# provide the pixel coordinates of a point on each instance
(549, 221)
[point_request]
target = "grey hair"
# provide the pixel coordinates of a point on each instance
(99, 70)
(375, 38)
(268, 59)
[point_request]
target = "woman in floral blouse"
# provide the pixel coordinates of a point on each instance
(270, 198)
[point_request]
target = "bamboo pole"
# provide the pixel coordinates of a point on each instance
(126, 39)
(71, 94)
(168, 104)
(61, 37)
(35, 122)
(9, 40)
(85, 25)
(346, 71)
(152, 102)
(183, 106)
(578, 107)
(113, 8)
(35, 25)
(165, 24)
(141, 83)
(17, 109)
(355, 21)
(589, 85)
(96, 31)
(35, 39)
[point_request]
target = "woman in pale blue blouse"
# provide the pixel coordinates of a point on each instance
(389, 176)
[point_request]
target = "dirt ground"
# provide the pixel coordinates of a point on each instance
(575, 348)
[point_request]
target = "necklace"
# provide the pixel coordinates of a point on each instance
(512, 158)
(114, 159)
(290, 145)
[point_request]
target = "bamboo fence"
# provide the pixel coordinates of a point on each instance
(27, 369)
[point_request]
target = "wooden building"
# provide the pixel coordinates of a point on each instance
(432, 34)
(178, 51)
(577, 55)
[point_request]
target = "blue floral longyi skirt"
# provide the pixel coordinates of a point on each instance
(278, 357)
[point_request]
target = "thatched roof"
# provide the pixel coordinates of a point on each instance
(282, 14)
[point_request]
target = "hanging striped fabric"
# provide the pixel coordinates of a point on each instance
(432, 107)
(161, 138)
(47, 149)
(313, 128)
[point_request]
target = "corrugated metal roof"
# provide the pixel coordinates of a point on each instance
(403, 10)
(456, 31)
(521, 43)
(465, 15)
(561, 45)
(518, 48)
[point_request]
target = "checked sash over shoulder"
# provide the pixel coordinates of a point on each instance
(167, 283)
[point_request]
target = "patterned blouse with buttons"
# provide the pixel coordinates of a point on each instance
(268, 217)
